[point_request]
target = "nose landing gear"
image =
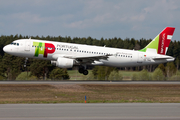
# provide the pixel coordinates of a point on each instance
(25, 62)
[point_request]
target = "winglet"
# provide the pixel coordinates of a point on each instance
(160, 43)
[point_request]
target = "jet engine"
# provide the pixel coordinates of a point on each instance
(63, 62)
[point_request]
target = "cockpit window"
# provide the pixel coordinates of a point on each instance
(13, 43)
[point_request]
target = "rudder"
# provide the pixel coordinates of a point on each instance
(160, 43)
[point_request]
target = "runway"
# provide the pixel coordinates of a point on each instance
(112, 111)
(89, 82)
(80, 111)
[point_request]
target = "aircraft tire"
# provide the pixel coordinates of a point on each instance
(81, 70)
(85, 72)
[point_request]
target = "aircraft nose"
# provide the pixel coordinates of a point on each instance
(5, 48)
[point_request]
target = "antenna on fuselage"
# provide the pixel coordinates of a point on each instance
(104, 45)
(30, 38)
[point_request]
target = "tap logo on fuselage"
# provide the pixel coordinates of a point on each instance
(43, 48)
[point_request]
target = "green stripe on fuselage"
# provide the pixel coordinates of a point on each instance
(39, 48)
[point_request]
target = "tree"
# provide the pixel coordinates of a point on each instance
(2, 76)
(115, 75)
(175, 76)
(177, 63)
(171, 69)
(90, 76)
(40, 68)
(12, 66)
(158, 74)
(102, 72)
(144, 75)
(137, 46)
(59, 74)
(162, 67)
(94, 71)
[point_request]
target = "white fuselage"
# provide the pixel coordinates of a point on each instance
(117, 57)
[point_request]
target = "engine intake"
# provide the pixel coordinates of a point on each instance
(53, 63)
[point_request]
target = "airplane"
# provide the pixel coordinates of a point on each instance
(67, 55)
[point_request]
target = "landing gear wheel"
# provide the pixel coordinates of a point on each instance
(81, 70)
(85, 72)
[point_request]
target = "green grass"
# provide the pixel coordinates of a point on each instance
(25, 76)
(127, 75)
(75, 75)
(95, 93)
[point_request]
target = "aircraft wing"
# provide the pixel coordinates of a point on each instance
(84, 59)
(88, 59)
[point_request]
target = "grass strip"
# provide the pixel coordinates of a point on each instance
(42, 93)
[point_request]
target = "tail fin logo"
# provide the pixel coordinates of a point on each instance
(164, 40)
(160, 44)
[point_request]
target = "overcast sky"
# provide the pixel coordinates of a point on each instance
(95, 18)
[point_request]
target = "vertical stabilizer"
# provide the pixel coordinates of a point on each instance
(161, 42)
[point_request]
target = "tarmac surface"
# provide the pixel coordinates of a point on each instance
(86, 111)
(110, 111)
(89, 82)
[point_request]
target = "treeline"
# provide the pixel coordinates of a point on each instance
(12, 66)
(167, 72)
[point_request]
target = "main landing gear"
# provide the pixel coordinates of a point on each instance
(83, 70)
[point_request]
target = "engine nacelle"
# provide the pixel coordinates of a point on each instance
(53, 63)
(63, 62)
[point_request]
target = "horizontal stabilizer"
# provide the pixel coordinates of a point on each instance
(162, 58)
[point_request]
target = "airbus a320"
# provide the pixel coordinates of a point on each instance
(66, 55)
